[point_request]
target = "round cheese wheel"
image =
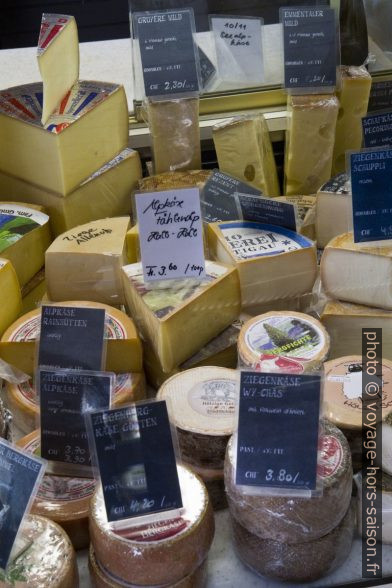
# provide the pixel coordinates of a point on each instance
(44, 557)
(289, 342)
(296, 562)
(297, 519)
(215, 484)
(202, 405)
(343, 391)
(23, 400)
(63, 499)
(161, 553)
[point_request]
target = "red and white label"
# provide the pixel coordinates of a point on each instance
(51, 26)
(330, 457)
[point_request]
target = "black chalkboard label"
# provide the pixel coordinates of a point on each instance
(217, 198)
(377, 129)
(380, 96)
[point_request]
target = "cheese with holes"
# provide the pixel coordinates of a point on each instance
(202, 406)
(85, 263)
(273, 263)
(89, 128)
(310, 138)
(11, 300)
(362, 275)
(106, 193)
(344, 323)
(283, 342)
(177, 320)
(158, 553)
(123, 352)
(244, 150)
(42, 556)
(58, 59)
(353, 96)
(333, 209)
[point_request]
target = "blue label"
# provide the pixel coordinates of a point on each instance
(268, 210)
(218, 197)
(377, 130)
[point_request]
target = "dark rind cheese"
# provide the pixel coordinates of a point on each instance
(215, 484)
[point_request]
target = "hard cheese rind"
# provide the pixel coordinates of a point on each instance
(11, 300)
(333, 209)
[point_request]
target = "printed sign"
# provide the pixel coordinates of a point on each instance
(380, 96)
(377, 130)
(218, 197)
(16, 221)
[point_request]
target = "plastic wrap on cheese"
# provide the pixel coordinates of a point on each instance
(5, 421)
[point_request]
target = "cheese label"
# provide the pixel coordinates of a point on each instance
(214, 398)
(340, 184)
(17, 221)
(125, 154)
(380, 96)
(155, 531)
(51, 26)
(330, 456)
(377, 130)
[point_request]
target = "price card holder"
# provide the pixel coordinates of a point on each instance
(311, 49)
(278, 434)
(20, 477)
(135, 452)
(65, 397)
(268, 211)
(171, 234)
(239, 49)
(377, 129)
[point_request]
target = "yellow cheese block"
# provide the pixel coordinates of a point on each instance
(133, 244)
(123, 353)
(172, 180)
(310, 139)
(58, 59)
(33, 292)
(244, 150)
(76, 141)
(106, 193)
(10, 296)
(178, 320)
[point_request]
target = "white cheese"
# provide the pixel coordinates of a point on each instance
(333, 209)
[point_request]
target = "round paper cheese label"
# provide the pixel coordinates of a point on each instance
(214, 398)
(330, 456)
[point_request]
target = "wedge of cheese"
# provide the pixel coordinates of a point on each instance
(358, 275)
(353, 96)
(123, 353)
(333, 209)
(273, 263)
(85, 263)
(310, 139)
(58, 59)
(10, 296)
(89, 129)
(244, 150)
(177, 320)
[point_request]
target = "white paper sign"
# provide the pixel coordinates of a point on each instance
(171, 234)
(238, 49)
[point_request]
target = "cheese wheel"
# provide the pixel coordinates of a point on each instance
(62, 499)
(23, 400)
(215, 484)
(44, 557)
(385, 488)
(289, 342)
(343, 391)
(297, 519)
(163, 559)
(296, 562)
(202, 406)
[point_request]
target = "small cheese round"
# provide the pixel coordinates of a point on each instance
(47, 558)
(215, 484)
(297, 519)
(283, 342)
(63, 499)
(202, 405)
(147, 556)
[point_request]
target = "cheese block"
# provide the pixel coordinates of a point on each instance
(105, 193)
(133, 245)
(171, 180)
(244, 150)
(85, 263)
(5, 420)
(123, 353)
(358, 275)
(306, 213)
(344, 323)
(333, 209)
(24, 237)
(88, 130)
(353, 96)
(33, 292)
(310, 138)
(296, 519)
(11, 300)
(62, 499)
(272, 262)
(214, 481)
(23, 400)
(283, 342)
(175, 134)
(58, 59)
(158, 553)
(177, 320)
(385, 488)
(202, 406)
(42, 556)
(296, 562)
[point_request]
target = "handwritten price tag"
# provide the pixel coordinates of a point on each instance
(171, 237)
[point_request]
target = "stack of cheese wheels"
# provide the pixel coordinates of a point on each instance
(343, 399)
(159, 554)
(202, 406)
(63, 499)
(283, 341)
(44, 557)
(316, 530)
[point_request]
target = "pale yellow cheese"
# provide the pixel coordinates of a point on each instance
(133, 245)
(10, 296)
(333, 209)
(33, 292)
